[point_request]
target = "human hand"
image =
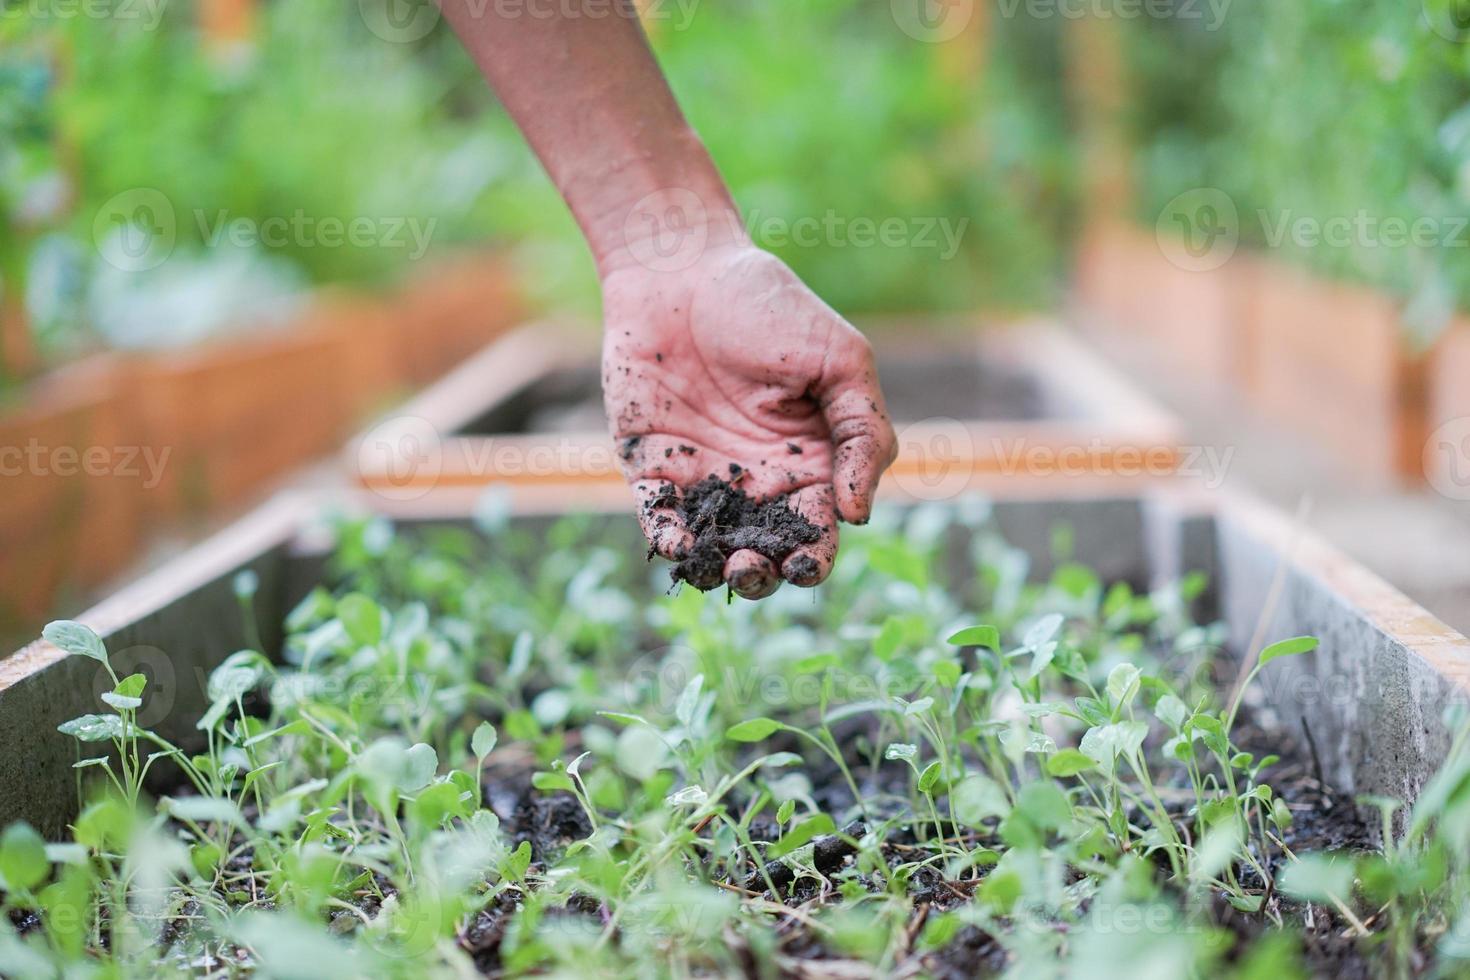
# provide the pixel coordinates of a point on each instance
(732, 367)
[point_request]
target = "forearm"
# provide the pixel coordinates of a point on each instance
(592, 102)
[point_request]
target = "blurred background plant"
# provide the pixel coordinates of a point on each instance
(1315, 110)
(825, 112)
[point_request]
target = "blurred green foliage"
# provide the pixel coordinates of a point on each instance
(823, 111)
(1317, 110)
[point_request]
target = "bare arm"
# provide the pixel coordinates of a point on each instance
(717, 359)
(589, 97)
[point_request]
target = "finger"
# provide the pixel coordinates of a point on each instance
(751, 574)
(862, 435)
(658, 515)
(657, 457)
(810, 563)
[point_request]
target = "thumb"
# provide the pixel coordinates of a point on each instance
(863, 443)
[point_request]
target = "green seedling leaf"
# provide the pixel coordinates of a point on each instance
(930, 776)
(237, 675)
(1318, 878)
(311, 610)
(74, 638)
(977, 798)
(689, 700)
(977, 636)
(625, 719)
(785, 810)
(23, 863)
(889, 639)
(1288, 648)
(918, 707)
(438, 803)
(518, 862)
(753, 730)
(362, 618)
(1123, 684)
(901, 750)
(121, 703)
(801, 835)
(1171, 711)
(131, 686)
(204, 809)
(1069, 762)
(1042, 631)
(482, 743)
(946, 672)
(92, 728)
(640, 752)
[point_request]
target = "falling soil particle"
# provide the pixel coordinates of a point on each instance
(793, 449)
(724, 519)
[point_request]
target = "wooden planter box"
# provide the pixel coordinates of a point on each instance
(73, 478)
(1325, 358)
(1152, 313)
(1446, 451)
(1372, 696)
(224, 419)
(971, 406)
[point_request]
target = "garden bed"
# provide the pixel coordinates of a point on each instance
(971, 405)
(819, 788)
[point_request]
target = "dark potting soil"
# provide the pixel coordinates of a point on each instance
(724, 519)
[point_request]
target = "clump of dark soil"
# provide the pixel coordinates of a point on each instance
(724, 519)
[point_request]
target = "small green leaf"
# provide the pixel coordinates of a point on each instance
(901, 750)
(1069, 762)
(75, 639)
(930, 776)
(121, 703)
(946, 672)
(553, 782)
(785, 810)
(361, 617)
(977, 797)
(204, 809)
(131, 686)
(23, 863)
(92, 728)
(518, 862)
(1288, 648)
(977, 636)
(753, 730)
(1318, 878)
(1123, 683)
(802, 834)
(482, 743)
